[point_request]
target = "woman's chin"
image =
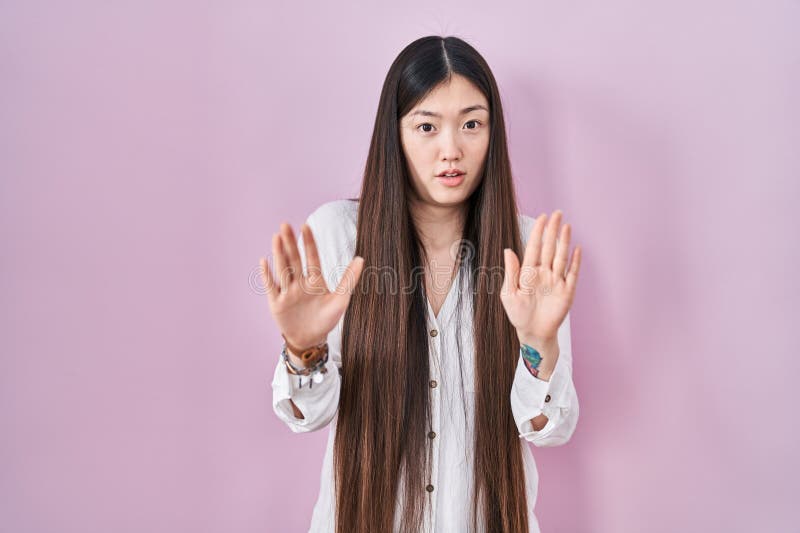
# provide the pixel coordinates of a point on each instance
(449, 200)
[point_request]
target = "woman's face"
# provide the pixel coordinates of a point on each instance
(448, 129)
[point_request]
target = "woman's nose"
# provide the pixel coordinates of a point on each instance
(450, 147)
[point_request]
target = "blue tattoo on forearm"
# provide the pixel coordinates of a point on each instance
(531, 358)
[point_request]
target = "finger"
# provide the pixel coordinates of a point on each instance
(574, 268)
(292, 253)
(349, 280)
(562, 248)
(280, 262)
(266, 277)
(511, 277)
(549, 239)
(534, 246)
(310, 247)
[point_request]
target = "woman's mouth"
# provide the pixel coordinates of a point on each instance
(451, 181)
(451, 177)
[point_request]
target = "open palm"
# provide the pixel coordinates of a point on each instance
(301, 304)
(538, 294)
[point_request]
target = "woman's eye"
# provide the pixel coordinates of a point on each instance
(427, 127)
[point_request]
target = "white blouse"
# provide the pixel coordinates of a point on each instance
(334, 228)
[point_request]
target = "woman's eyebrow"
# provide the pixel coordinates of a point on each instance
(463, 111)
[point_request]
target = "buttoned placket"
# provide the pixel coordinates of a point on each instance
(435, 387)
(436, 340)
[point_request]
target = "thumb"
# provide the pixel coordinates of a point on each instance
(511, 278)
(349, 280)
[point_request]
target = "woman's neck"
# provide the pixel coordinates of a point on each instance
(438, 226)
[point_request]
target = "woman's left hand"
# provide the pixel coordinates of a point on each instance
(538, 294)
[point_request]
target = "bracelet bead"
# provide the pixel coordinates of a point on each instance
(315, 372)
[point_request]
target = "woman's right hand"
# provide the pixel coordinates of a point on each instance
(301, 305)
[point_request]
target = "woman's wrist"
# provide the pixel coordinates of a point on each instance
(539, 355)
(304, 356)
(312, 363)
(295, 359)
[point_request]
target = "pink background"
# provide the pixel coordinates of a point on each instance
(149, 150)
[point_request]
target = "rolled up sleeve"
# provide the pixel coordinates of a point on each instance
(317, 402)
(556, 398)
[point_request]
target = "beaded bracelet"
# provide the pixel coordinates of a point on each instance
(315, 371)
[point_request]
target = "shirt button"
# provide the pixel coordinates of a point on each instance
(429, 488)
(433, 383)
(434, 333)
(547, 398)
(432, 435)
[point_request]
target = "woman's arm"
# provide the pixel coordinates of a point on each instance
(537, 294)
(548, 352)
(297, 412)
(546, 410)
(303, 404)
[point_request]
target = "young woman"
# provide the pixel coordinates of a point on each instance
(439, 354)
